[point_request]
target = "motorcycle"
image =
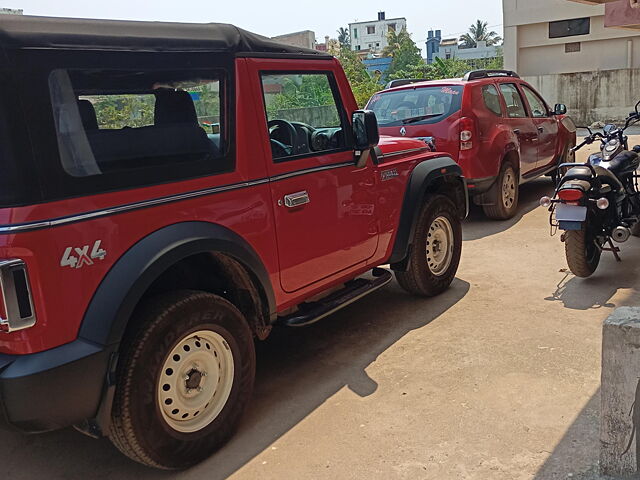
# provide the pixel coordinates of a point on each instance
(598, 202)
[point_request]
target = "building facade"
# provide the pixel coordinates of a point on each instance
(446, 49)
(372, 35)
(564, 36)
(583, 53)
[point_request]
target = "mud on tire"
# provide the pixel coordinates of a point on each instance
(140, 428)
(434, 258)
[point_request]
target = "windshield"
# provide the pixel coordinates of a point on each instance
(416, 105)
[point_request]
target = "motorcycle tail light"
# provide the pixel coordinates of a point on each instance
(570, 194)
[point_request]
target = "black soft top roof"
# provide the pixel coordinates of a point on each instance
(23, 31)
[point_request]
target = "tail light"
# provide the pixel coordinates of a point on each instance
(17, 304)
(468, 132)
(570, 194)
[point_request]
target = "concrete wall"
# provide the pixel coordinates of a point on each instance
(607, 95)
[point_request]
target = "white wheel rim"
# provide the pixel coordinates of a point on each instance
(195, 381)
(509, 188)
(439, 246)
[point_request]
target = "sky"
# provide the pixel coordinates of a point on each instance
(277, 17)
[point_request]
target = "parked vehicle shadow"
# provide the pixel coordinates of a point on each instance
(298, 370)
(477, 226)
(597, 290)
(576, 455)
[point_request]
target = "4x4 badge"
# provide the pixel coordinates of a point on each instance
(82, 256)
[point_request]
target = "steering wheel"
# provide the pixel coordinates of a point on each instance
(291, 132)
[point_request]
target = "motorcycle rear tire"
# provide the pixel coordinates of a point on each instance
(583, 255)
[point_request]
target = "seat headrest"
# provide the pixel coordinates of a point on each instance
(174, 106)
(88, 115)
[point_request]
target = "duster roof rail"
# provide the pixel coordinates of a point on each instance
(478, 74)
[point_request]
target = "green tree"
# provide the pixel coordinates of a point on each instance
(405, 54)
(362, 84)
(344, 37)
(479, 32)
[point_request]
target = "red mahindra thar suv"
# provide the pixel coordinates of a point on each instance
(495, 125)
(170, 193)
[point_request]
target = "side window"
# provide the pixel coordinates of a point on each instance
(303, 114)
(491, 99)
(538, 108)
(513, 99)
(125, 121)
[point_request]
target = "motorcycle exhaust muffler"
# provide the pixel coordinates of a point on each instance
(621, 234)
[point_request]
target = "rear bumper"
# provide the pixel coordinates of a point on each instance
(53, 389)
(476, 186)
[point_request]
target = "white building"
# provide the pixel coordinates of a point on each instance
(451, 49)
(372, 35)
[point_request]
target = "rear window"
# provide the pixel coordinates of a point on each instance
(120, 121)
(416, 105)
(491, 99)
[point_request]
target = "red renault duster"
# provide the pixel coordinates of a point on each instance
(495, 125)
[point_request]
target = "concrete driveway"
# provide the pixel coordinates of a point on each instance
(496, 379)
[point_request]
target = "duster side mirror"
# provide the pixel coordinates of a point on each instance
(560, 109)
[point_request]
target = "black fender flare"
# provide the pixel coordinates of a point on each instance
(106, 318)
(423, 178)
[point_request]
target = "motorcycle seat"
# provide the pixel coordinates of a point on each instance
(578, 173)
(605, 176)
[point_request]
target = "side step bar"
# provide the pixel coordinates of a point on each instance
(312, 312)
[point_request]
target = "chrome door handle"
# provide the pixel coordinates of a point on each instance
(297, 199)
(541, 130)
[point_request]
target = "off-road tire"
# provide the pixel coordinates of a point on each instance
(138, 428)
(582, 255)
(419, 279)
(508, 181)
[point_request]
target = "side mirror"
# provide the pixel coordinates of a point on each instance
(560, 109)
(365, 129)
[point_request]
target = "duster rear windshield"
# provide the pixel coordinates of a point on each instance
(418, 106)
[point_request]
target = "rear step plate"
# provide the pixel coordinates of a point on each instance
(311, 312)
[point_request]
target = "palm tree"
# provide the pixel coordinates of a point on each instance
(479, 33)
(344, 38)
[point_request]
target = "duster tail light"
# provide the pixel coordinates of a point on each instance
(468, 133)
